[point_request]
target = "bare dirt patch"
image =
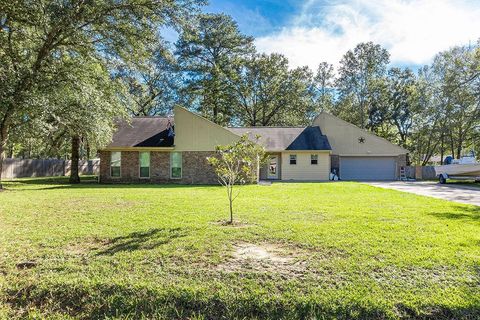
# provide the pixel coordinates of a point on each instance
(265, 258)
(84, 247)
(268, 252)
(235, 224)
(415, 276)
(117, 204)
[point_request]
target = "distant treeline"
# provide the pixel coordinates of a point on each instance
(69, 69)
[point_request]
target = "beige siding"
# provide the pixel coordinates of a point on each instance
(303, 170)
(343, 138)
(195, 133)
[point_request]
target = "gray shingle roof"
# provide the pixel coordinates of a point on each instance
(153, 132)
(287, 138)
(142, 132)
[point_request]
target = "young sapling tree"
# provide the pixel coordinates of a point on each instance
(237, 164)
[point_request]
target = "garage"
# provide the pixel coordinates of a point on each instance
(367, 168)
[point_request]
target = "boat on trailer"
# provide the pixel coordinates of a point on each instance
(465, 168)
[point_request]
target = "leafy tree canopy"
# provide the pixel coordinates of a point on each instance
(206, 53)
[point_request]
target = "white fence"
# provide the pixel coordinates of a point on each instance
(21, 168)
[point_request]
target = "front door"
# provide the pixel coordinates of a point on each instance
(272, 167)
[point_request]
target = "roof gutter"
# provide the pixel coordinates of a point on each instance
(300, 151)
(370, 154)
(138, 149)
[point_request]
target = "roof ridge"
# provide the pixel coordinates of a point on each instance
(268, 127)
(149, 117)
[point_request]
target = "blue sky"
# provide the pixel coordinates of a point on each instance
(311, 31)
(257, 18)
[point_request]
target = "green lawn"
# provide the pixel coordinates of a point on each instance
(330, 250)
(470, 183)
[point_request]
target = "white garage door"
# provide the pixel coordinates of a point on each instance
(367, 168)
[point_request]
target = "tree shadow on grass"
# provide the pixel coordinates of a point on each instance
(55, 180)
(471, 213)
(101, 300)
(87, 182)
(147, 240)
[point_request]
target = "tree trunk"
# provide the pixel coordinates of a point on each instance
(215, 114)
(442, 149)
(3, 143)
(9, 153)
(258, 169)
(231, 205)
(459, 149)
(74, 177)
(1, 162)
(452, 148)
(362, 115)
(88, 149)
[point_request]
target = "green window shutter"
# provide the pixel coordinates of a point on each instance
(144, 158)
(115, 164)
(176, 165)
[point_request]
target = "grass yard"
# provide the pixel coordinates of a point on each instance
(470, 183)
(301, 251)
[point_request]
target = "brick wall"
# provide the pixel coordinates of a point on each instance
(335, 163)
(401, 162)
(104, 172)
(159, 167)
(195, 168)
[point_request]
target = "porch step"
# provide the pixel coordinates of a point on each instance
(403, 174)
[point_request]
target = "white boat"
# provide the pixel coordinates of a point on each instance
(464, 168)
(459, 169)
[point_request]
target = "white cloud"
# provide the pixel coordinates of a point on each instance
(413, 31)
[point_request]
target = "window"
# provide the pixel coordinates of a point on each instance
(115, 164)
(144, 158)
(175, 165)
(293, 159)
(314, 159)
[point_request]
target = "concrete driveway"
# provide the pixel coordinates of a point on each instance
(452, 192)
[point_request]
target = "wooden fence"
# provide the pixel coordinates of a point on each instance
(21, 168)
(421, 172)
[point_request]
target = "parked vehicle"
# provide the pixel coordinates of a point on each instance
(465, 168)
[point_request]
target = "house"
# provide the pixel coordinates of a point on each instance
(294, 153)
(164, 150)
(358, 154)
